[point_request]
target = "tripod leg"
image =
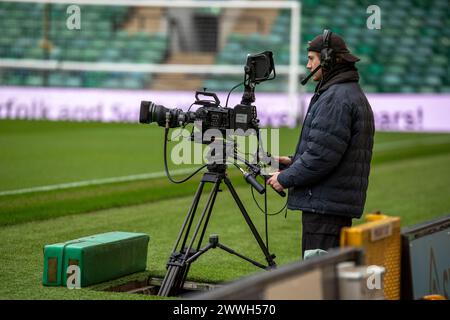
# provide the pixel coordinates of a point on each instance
(169, 279)
(199, 243)
(177, 266)
(173, 268)
(208, 216)
(261, 244)
(207, 209)
(190, 215)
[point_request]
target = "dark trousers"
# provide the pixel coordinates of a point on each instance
(322, 231)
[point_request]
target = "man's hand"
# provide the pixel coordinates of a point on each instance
(273, 181)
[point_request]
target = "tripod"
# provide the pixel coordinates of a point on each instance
(182, 256)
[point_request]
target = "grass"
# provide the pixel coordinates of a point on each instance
(64, 152)
(415, 189)
(36, 153)
(410, 178)
(21, 245)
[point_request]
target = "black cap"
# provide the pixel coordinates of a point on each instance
(336, 43)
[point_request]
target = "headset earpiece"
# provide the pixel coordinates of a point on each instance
(326, 54)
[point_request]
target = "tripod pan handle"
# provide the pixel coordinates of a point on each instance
(255, 184)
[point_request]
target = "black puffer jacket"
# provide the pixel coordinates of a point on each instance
(330, 169)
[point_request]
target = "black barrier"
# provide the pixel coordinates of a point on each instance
(317, 278)
(426, 259)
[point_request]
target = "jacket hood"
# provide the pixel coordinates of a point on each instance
(341, 73)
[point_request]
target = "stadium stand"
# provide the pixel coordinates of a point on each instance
(107, 35)
(409, 54)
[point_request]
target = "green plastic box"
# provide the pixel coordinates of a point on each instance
(100, 257)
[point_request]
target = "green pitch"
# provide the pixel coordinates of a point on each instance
(410, 178)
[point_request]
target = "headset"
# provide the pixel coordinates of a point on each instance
(327, 56)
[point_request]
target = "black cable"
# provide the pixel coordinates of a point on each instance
(166, 132)
(265, 215)
(262, 210)
(190, 107)
(240, 84)
(236, 149)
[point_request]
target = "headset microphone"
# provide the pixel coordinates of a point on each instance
(304, 81)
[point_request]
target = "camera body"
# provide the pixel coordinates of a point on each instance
(259, 67)
(209, 114)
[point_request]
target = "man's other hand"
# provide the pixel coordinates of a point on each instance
(284, 160)
(273, 181)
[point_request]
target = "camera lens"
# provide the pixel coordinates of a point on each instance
(151, 112)
(144, 115)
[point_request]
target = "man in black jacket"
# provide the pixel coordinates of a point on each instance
(328, 175)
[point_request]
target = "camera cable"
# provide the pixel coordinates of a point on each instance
(264, 211)
(236, 86)
(266, 222)
(166, 168)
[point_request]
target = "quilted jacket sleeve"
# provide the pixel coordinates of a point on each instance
(327, 141)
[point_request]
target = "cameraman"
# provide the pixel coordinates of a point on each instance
(328, 175)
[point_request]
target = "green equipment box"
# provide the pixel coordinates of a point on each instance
(100, 258)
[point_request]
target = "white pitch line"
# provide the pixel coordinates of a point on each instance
(378, 147)
(134, 177)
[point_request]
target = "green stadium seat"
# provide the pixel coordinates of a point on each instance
(370, 88)
(56, 79)
(34, 80)
(73, 81)
(131, 83)
(426, 89)
(407, 89)
(112, 83)
(35, 53)
(111, 54)
(433, 81)
(439, 60)
(14, 79)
